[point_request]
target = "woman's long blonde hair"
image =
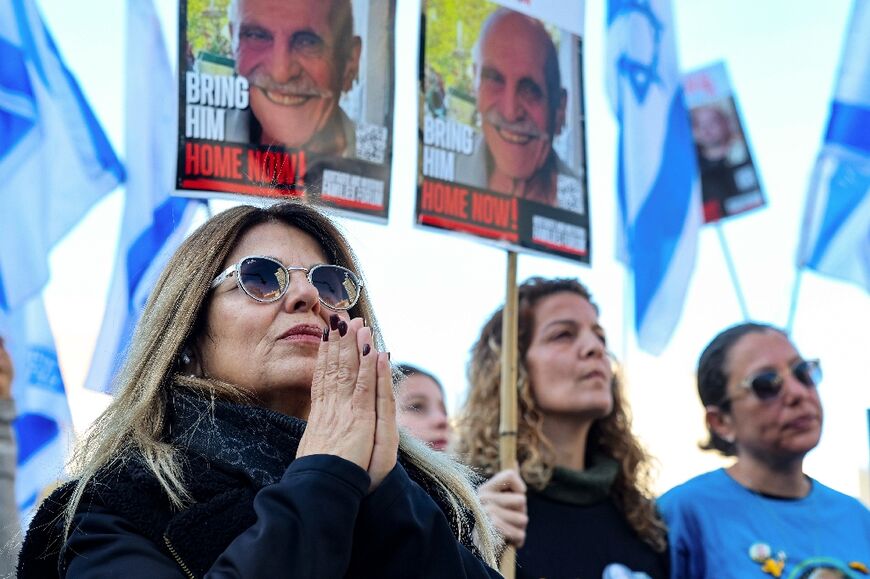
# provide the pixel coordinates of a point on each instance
(133, 424)
(479, 419)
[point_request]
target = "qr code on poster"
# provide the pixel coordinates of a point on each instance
(569, 194)
(371, 142)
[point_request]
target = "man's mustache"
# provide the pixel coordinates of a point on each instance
(263, 81)
(525, 128)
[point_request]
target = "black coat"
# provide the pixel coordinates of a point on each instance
(256, 512)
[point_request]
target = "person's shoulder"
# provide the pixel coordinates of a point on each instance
(830, 496)
(712, 483)
(46, 534)
(709, 480)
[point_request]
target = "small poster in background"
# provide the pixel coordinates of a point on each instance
(287, 100)
(729, 179)
(502, 148)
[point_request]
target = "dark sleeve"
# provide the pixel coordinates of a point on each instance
(401, 532)
(304, 528)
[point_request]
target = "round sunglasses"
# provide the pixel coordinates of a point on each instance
(767, 385)
(265, 279)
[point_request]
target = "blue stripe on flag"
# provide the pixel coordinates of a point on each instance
(12, 130)
(617, 7)
(44, 369)
(849, 126)
(149, 243)
(13, 73)
(847, 188)
(13, 81)
(33, 431)
(4, 304)
(659, 224)
(27, 503)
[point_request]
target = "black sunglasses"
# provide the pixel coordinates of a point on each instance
(768, 384)
(266, 279)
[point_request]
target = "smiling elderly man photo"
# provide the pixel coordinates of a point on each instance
(299, 56)
(521, 106)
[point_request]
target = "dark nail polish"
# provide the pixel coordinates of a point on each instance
(333, 321)
(342, 328)
(366, 349)
(325, 334)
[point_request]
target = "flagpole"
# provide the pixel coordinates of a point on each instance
(507, 431)
(792, 308)
(627, 311)
(732, 271)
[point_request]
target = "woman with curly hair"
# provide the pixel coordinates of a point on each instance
(582, 485)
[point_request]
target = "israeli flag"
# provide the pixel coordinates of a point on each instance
(43, 427)
(55, 163)
(835, 238)
(154, 223)
(658, 188)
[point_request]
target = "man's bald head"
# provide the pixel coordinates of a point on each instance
(534, 34)
(520, 98)
(341, 17)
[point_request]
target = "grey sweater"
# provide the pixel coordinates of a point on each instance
(10, 526)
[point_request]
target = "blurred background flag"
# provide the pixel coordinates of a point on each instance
(835, 240)
(55, 163)
(657, 182)
(154, 223)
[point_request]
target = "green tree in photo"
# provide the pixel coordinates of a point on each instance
(452, 28)
(207, 28)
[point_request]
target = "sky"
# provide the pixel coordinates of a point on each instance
(432, 291)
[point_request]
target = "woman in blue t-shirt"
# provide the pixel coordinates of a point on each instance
(762, 516)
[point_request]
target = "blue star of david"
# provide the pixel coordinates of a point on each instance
(640, 75)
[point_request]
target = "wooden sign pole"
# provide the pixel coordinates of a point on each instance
(507, 439)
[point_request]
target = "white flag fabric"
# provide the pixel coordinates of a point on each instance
(154, 222)
(657, 174)
(55, 160)
(55, 163)
(835, 238)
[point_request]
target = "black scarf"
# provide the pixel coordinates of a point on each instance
(230, 452)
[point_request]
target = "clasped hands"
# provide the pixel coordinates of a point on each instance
(353, 407)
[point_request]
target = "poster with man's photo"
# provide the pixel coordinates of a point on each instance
(502, 147)
(729, 179)
(287, 99)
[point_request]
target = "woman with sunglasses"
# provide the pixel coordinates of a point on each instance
(762, 515)
(253, 430)
(580, 504)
